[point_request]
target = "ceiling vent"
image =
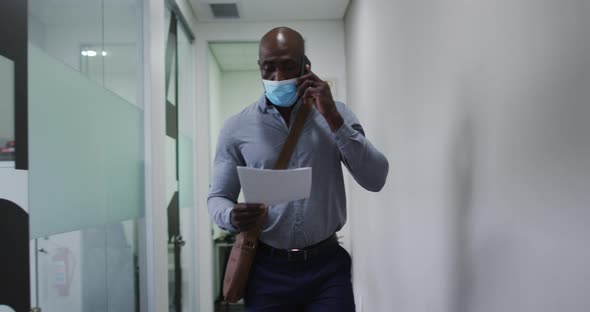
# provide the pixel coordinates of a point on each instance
(224, 10)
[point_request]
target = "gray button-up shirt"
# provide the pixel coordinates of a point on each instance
(254, 138)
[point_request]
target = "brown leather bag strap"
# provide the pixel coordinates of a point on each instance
(293, 137)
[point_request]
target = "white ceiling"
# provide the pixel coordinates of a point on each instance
(244, 56)
(275, 10)
(84, 12)
(236, 56)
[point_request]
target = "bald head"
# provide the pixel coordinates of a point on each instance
(282, 38)
(281, 54)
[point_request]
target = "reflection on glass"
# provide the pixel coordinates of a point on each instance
(60, 28)
(99, 38)
(122, 48)
(91, 270)
(7, 144)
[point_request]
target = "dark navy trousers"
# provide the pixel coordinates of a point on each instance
(320, 284)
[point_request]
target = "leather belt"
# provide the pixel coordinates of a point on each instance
(297, 254)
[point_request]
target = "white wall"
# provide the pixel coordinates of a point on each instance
(238, 90)
(215, 110)
(231, 91)
(481, 108)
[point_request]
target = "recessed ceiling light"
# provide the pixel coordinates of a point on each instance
(91, 53)
(104, 53)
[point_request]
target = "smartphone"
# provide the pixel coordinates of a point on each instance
(305, 63)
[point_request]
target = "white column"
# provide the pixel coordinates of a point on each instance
(155, 264)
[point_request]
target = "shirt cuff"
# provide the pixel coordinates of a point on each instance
(227, 221)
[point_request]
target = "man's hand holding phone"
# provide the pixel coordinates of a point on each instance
(311, 86)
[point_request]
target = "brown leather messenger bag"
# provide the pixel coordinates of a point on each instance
(244, 249)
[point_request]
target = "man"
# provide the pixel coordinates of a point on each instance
(299, 265)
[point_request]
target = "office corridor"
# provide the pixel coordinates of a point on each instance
(111, 110)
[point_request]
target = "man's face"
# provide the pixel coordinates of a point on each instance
(280, 60)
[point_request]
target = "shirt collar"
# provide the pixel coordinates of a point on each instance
(262, 105)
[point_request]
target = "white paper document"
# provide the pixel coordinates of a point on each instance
(272, 187)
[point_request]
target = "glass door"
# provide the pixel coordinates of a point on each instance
(179, 164)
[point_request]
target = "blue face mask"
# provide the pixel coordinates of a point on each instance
(281, 93)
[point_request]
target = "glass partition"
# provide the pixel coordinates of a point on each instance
(86, 154)
(86, 151)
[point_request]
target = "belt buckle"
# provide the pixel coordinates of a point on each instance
(294, 254)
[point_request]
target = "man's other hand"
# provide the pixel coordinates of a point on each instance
(245, 216)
